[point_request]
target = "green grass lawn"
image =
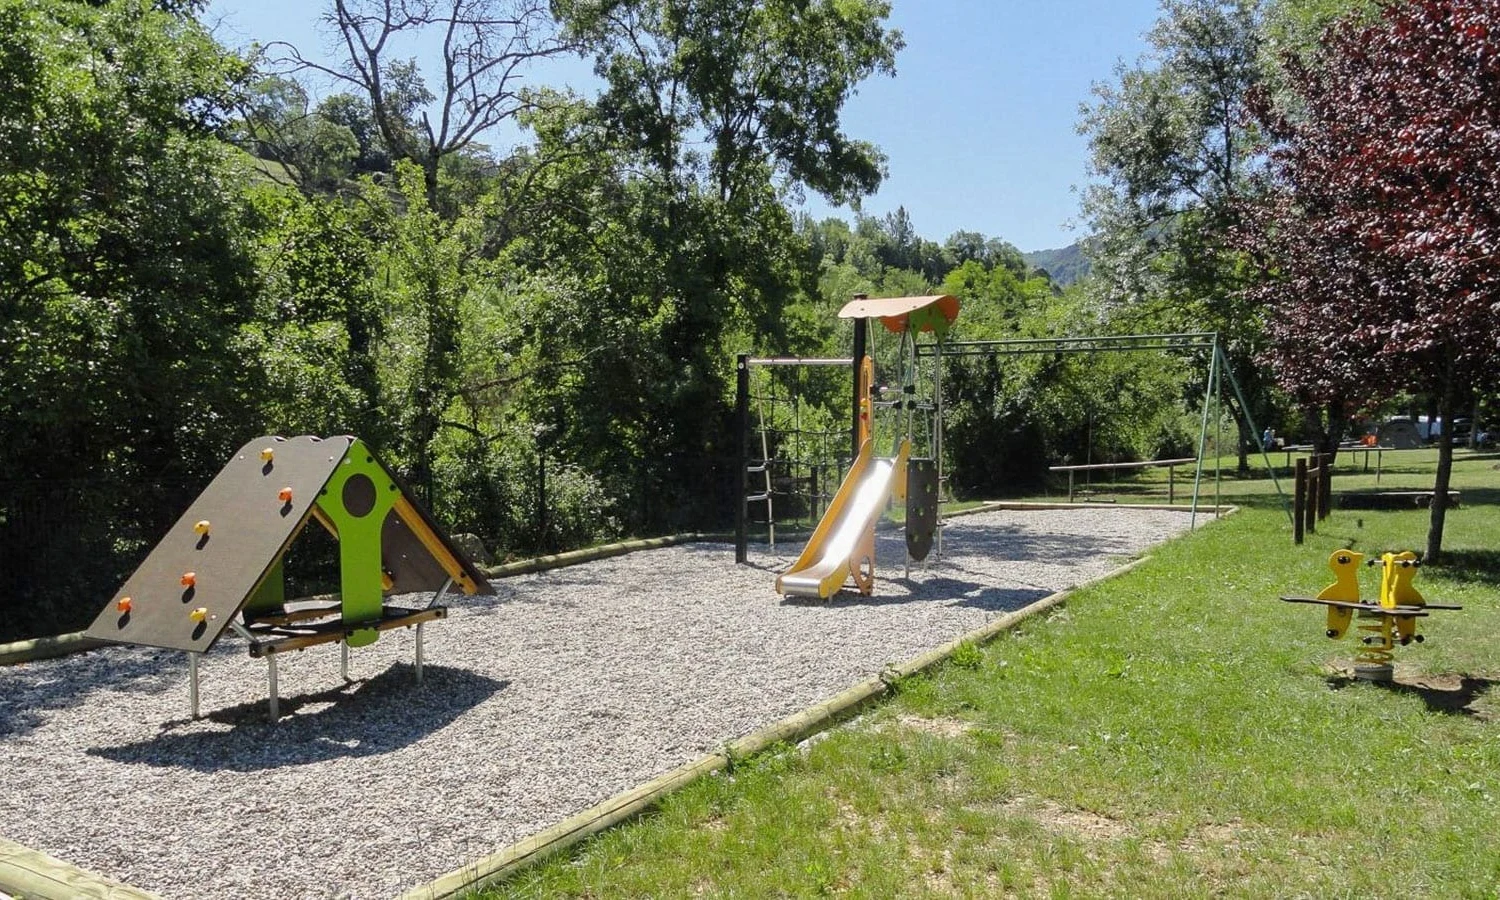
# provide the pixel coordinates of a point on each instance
(1174, 732)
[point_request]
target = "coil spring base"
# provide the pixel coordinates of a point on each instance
(1373, 661)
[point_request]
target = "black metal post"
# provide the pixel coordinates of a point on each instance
(742, 423)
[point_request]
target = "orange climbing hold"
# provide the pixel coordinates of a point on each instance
(189, 579)
(123, 605)
(285, 495)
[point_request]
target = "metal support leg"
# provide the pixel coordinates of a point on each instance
(275, 703)
(193, 682)
(419, 653)
(344, 659)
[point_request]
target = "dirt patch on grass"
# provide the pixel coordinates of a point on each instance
(939, 726)
(852, 820)
(1058, 819)
(1455, 694)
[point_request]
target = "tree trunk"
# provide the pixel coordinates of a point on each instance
(1332, 431)
(1440, 486)
(430, 163)
(1246, 441)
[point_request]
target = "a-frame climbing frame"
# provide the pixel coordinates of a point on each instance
(220, 566)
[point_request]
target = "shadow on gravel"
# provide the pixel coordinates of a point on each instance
(939, 590)
(28, 692)
(1024, 547)
(363, 718)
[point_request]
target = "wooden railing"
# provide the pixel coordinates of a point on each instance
(1170, 464)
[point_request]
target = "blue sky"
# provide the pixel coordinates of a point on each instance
(979, 122)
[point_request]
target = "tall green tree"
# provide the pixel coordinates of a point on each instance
(1380, 236)
(1175, 156)
(125, 279)
(320, 326)
(124, 274)
(711, 112)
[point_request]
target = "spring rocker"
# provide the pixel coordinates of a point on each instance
(842, 547)
(220, 567)
(1382, 624)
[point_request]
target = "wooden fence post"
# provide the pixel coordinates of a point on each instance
(1299, 500)
(1310, 508)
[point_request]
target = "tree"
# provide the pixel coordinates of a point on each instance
(125, 278)
(317, 153)
(123, 271)
(486, 48)
(764, 81)
(711, 112)
(1380, 230)
(1176, 156)
(319, 328)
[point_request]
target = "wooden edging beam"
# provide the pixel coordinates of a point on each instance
(590, 554)
(510, 860)
(46, 647)
(36, 876)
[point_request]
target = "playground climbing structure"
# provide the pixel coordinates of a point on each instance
(842, 547)
(219, 568)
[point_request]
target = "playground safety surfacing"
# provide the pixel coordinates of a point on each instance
(566, 688)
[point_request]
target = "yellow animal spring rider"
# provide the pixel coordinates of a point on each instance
(1392, 619)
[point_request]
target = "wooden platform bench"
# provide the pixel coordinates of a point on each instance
(1170, 464)
(1393, 500)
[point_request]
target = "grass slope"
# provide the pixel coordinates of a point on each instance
(1176, 732)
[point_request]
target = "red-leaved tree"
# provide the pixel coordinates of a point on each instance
(1379, 230)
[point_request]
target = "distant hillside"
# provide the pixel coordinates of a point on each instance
(1066, 264)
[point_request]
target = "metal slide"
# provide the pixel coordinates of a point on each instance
(843, 545)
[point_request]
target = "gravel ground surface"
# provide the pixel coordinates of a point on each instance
(569, 687)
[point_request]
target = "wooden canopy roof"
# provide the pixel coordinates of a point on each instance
(899, 314)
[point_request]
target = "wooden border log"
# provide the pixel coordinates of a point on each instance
(46, 647)
(589, 554)
(36, 876)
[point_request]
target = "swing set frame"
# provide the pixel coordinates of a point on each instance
(1180, 342)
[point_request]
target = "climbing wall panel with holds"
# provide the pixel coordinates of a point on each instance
(921, 506)
(188, 589)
